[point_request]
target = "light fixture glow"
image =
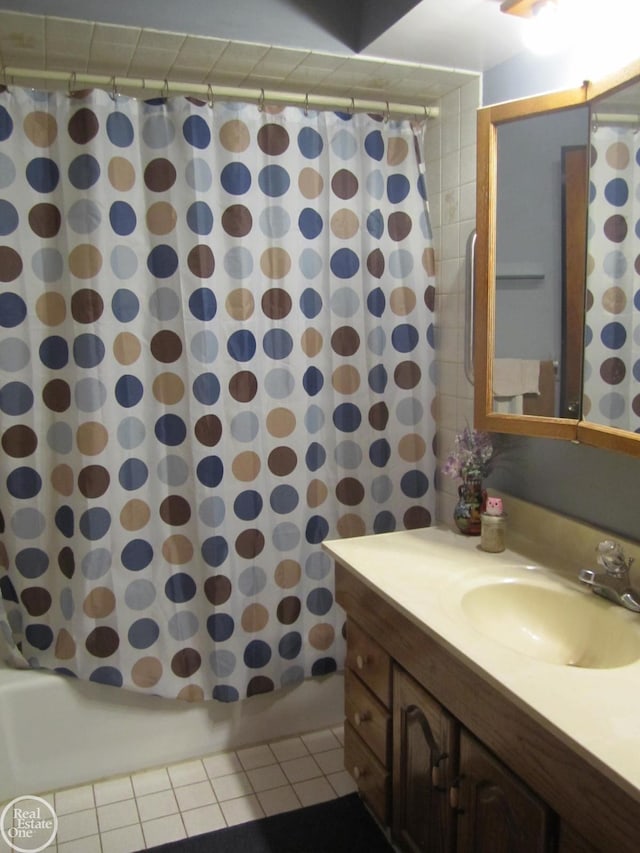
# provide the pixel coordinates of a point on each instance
(547, 30)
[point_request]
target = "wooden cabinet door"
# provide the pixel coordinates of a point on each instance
(497, 813)
(424, 738)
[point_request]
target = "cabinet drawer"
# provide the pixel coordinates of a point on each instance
(370, 662)
(374, 783)
(368, 717)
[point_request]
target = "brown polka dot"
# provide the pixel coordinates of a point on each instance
(614, 300)
(175, 510)
(100, 602)
(618, 155)
(613, 371)
(4, 556)
(430, 297)
(375, 263)
(19, 441)
(344, 184)
(350, 525)
(254, 618)
(161, 218)
(36, 600)
(350, 491)
(185, 663)
(240, 304)
(589, 301)
(122, 175)
(635, 405)
(86, 306)
(416, 517)
(62, 480)
(102, 642)
(280, 422)
(615, 228)
(397, 150)
(65, 645)
(10, 264)
(275, 262)
(259, 685)
(93, 481)
(288, 610)
(45, 220)
(135, 514)
(250, 543)
(586, 405)
(168, 388)
(429, 262)
(344, 223)
(412, 447)
(273, 139)
(160, 175)
(83, 126)
(317, 493)
(177, 550)
(346, 379)
(201, 262)
(166, 346)
(322, 636)
(246, 466)
(276, 303)
(282, 461)
(67, 562)
(40, 128)
(311, 342)
(208, 430)
(310, 183)
(243, 386)
(85, 261)
(399, 225)
(126, 348)
(191, 693)
(217, 589)
(345, 341)
(146, 672)
(91, 438)
(379, 416)
(402, 301)
(51, 308)
(234, 136)
(237, 220)
(287, 574)
(407, 375)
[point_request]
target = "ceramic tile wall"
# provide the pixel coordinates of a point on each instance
(450, 154)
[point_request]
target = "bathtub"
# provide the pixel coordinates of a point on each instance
(58, 732)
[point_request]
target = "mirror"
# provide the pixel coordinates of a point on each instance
(543, 280)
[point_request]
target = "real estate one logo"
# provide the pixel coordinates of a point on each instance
(28, 824)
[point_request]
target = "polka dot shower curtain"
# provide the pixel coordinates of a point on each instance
(216, 351)
(612, 345)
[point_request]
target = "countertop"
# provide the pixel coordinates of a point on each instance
(422, 572)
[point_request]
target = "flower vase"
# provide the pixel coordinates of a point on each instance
(471, 503)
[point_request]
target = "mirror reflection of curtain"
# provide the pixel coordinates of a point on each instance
(612, 334)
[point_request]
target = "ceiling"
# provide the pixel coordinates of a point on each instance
(411, 51)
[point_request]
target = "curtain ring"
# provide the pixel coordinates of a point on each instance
(210, 98)
(261, 101)
(387, 114)
(306, 104)
(164, 93)
(114, 89)
(352, 108)
(72, 84)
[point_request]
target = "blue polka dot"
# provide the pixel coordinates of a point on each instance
(347, 417)
(404, 338)
(257, 654)
(310, 303)
(196, 132)
(88, 350)
(431, 336)
(210, 471)
(162, 261)
(6, 124)
(170, 430)
(397, 188)
(284, 499)
(248, 505)
(200, 218)
(119, 129)
(180, 588)
(13, 310)
(225, 693)
(136, 555)
(374, 145)
(319, 601)
(421, 186)
(202, 304)
(8, 590)
(143, 633)
(32, 562)
(273, 180)
(129, 390)
(16, 398)
(310, 263)
(206, 388)
(376, 302)
(133, 474)
(107, 675)
(235, 178)
(241, 345)
(277, 344)
(95, 523)
(310, 223)
(290, 645)
(344, 263)
(220, 627)
(317, 529)
(42, 174)
(39, 636)
(613, 335)
(8, 217)
(378, 378)
(315, 456)
(384, 522)
(375, 224)
(380, 453)
(414, 484)
(323, 666)
(310, 143)
(24, 483)
(616, 192)
(122, 218)
(84, 172)
(312, 381)
(125, 305)
(215, 551)
(54, 352)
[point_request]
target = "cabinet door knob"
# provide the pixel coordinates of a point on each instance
(358, 773)
(360, 661)
(361, 717)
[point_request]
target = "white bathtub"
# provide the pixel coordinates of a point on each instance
(57, 732)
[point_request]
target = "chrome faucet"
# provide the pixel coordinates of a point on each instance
(614, 583)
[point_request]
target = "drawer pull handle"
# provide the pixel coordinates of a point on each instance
(358, 773)
(361, 661)
(361, 717)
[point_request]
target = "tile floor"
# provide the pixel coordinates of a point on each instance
(140, 811)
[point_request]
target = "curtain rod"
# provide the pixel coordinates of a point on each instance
(151, 88)
(615, 118)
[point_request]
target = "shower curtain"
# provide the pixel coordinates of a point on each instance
(612, 342)
(216, 351)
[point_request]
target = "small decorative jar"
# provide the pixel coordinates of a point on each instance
(471, 503)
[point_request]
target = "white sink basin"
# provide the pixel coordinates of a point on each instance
(554, 624)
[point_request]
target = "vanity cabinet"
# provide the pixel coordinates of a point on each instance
(472, 768)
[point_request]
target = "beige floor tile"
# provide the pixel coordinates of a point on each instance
(115, 815)
(77, 825)
(156, 805)
(241, 810)
(286, 750)
(314, 791)
(150, 781)
(187, 773)
(342, 783)
(194, 796)
(231, 786)
(300, 769)
(279, 800)
(74, 800)
(263, 778)
(91, 844)
(113, 790)
(222, 764)
(126, 839)
(203, 819)
(255, 756)
(163, 829)
(320, 741)
(330, 761)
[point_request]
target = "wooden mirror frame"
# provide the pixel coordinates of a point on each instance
(485, 418)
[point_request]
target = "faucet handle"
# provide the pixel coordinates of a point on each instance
(611, 558)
